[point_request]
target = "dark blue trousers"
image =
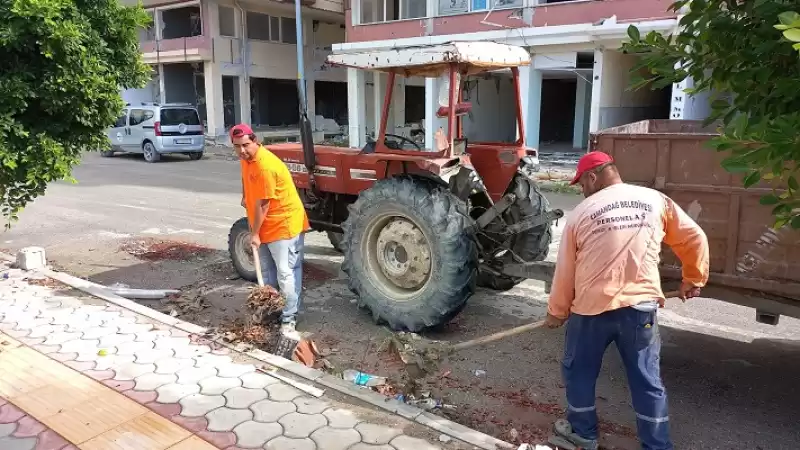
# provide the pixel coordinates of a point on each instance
(636, 336)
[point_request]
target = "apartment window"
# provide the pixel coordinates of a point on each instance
(373, 11)
(288, 30)
(263, 27)
(448, 7)
(227, 21)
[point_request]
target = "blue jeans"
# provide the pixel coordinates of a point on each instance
(635, 333)
(282, 268)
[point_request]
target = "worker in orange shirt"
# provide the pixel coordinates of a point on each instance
(607, 284)
(277, 219)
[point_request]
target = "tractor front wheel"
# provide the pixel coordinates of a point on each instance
(532, 244)
(410, 253)
(336, 240)
(240, 251)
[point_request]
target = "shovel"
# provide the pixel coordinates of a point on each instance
(425, 360)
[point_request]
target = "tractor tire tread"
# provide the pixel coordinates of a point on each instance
(449, 229)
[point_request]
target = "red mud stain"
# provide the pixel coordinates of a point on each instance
(312, 272)
(160, 250)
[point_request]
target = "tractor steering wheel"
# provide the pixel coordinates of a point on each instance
(398, 146)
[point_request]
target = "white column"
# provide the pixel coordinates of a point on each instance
(162, 91)
(597, 90)
(530, 81)
(245, 107)
(214, 110)
(378, 94)
(356, 106)
(432, 122)
(688, 107)
(398, 111)
(583, 100)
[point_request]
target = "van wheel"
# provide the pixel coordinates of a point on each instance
(194, 156)
(151, 155)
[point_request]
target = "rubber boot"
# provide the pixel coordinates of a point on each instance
(568, 439)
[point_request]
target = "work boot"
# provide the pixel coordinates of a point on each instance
(288, 328)
(563, 429)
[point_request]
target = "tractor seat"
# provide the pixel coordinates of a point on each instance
(461, 109)
(369, 148)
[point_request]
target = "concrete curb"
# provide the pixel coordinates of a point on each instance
(432, 421)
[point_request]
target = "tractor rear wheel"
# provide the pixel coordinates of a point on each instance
(532, 244)
(336, 240)
(410, 253)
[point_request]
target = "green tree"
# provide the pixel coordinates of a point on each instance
(733, 51)
(62, 64)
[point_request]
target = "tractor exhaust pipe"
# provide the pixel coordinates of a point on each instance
(306, 133)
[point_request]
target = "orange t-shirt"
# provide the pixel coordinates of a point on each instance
(266, 177)
(610, 251)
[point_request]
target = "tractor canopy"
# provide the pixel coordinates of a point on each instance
(435, 60)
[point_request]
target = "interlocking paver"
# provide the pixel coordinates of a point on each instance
(9, 443)
(7, 428)
(363, 446)
(334, 438)
(195, 374)
(257, 380)
(283, 392)
(410, 443)
(240, 397)
(173, 392)
(113, 340)
(134, 348)
(284, 443)
(310, 405)
(255, 434)
(80, 346)
(172, 365)
(151, 356)
(226, 419)
(341, 418)
(132, 370)
(270, 411)
(191, 350)
(218, 385)
(234, 370)
(197, 405)
(171, 342)
(153, 381)
(296, 425)
(209, 359)
(377, 434)
(98, 332)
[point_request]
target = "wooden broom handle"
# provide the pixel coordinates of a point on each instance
(517, 330)
(257, 262)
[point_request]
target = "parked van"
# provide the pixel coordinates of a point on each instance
(153, 130)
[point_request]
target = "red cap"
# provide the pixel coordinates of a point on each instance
(590, 161)
(240, 130)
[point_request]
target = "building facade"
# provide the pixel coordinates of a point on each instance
(577, 82)
(237, 62)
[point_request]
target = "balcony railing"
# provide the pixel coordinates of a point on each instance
(188, 48)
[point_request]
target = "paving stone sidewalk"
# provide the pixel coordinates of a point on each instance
(209, 390)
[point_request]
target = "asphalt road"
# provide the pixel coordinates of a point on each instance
(732, 382)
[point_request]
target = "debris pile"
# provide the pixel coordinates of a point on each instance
(264, 302)
(161, 250)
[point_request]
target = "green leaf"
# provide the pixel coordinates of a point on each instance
(792, 182)
(735, 165)
(633, 34)
(769, 199)
(796, 222)
(781, 209)
(789, 18)
(780, 223)
(752, 179)
(792, 34)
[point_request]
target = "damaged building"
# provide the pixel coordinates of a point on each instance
(236, 61)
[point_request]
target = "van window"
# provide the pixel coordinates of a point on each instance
(122, 120)
(177, 116)
(137, 117)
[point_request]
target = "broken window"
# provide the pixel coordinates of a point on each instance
(263, 27)
(227, 21)
(148, 33)
(181, 22)
(288, 30)
(413, 9)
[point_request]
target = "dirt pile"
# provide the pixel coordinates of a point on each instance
(163, 250)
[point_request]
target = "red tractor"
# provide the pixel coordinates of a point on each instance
(420, 228)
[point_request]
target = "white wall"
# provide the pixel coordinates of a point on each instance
(149, 93)
(618, 104)
(493, 117)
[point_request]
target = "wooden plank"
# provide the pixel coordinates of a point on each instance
(732, 242)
